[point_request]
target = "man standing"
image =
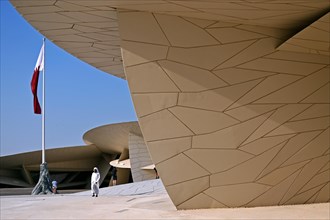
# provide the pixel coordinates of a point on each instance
(95, 182)
(114, 176)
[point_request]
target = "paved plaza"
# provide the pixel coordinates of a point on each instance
(141, 200)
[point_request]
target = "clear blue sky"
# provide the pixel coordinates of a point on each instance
(78, 96)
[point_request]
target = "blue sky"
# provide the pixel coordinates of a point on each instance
(79, 97)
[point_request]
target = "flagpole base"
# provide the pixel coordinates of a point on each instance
(44, 185)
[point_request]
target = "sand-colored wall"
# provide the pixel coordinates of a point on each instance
(139, 158)
(228, 119)
(234, 108)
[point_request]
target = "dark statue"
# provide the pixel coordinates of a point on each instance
(44, 185)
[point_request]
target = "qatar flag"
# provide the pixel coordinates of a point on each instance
(35, 78)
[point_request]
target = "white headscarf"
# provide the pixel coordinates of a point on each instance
(95, 176)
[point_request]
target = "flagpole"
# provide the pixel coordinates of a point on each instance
(44, 185)
(43, 109)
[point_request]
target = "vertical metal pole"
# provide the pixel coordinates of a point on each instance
(43, 107)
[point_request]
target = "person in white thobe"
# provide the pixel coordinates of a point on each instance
(95, 182)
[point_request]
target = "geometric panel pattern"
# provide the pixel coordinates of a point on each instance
(313, 39)
(88, 33)
(139, 158)
(224, 111)
(250, 130)
(88, 29)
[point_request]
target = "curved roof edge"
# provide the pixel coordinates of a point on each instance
(112, 138)
(89, 30)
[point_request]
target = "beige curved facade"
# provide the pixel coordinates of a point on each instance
(232, 96)
(72, 166)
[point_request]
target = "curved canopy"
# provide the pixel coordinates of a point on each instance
(112, 138)
(89, 29)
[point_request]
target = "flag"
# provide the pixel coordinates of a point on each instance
(35, 78)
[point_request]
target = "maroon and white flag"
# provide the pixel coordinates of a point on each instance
(35, 78)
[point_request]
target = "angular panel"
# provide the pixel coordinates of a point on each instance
(324, 194)
(300, 57)
(74, 44)
(312, 199)
(85, 17)
(282, 66)
(139, 157)
(162, 150)
(69, 6)
(199, 22)
(236, 75)
(191, 79)
(315, 37)
(313, 149)
(316, 110)
(43, 26)
(230, 35)
(253, 14)
(83, 50)
(293, 146)
(247, 112)
(267, 31)
(205, 5)
(179, 169)
(103, 37)
(73, 38)
(319, 179)
(215, 54)
(301, 126)
(107, 48)
(281, 115)
(95, 54)
(98, 60)
(217, 160)
(177, 34)
(157, 80)
(256, 50)
(110, 13)
(20, 3)
(236, 195)
(60, 32)
(50, 17)
(142, 27)
(230, 137)
(326, 167)
(137, 53)
(220, 24)
(162, 125)
(202, 121)
(103, 25)
(183, 191)
(304, 176)
(280, 174)
(304, 197)
(158, 6)
(269, 85)
(262, 144)
(217, 99)
(320, 96)
(86, 29)
(201, 201)
(148, 103)
(275, 194)
(245, 172)
(298, 90)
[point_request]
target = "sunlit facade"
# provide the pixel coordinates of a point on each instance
(232, 96)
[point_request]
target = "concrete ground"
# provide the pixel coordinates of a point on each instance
(143, 200)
